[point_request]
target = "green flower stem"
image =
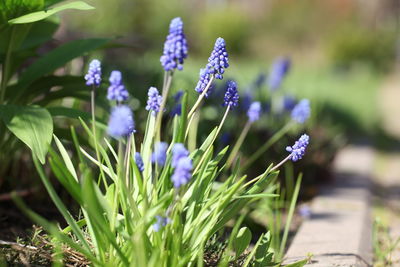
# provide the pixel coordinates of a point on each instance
(165, 90)
(202, 95)
(127, 159)
(6, 66)
(92, 107)
(238, 144)
(271, 170)
(267, 145)
(213, 140)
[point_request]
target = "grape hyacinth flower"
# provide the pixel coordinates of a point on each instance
(161, 222)
(139, 161)
(175, 47)
(247, 99)
(218, 60)
(289, 103)
(301, 112)
(116, 90)
(177, 109)
(231, 97)
(178, 151)
(182, 173)
(93, 77)
(298, 150)
(254, 111)
(204, 79)
(279, 69)
(154, 101)
(121, 122)
(160, 153)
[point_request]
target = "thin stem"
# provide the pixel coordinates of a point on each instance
(238, 144)
(127, 159)
(6, 66)
(202, 95)
(92, 107)
(215, 137)
(267, 145)
(271, 170)
(165, 90)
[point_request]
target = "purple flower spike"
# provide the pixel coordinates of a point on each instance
(298, 150)
(121, 122)
(182, 173)
(218, 61)
(231, 95)
(161, 222)
(154, 101)
(178, 151)
(160, 153)
(254, 111)
(175, 47)
(139, 161)
(279, 69)
(116, 90)
(93, 77)
(301, 112)
(204, 79)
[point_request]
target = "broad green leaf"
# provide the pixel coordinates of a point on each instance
(55, 59)
(242, 241)
(300, 263)
(39, 15)
(263, 257)
(33, 125)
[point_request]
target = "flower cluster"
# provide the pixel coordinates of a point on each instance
(154, 100)
(254, 111)
(139, 161)
(204, 80)
(289, 103)
(218, 61)
(301, 112)
(93, 77)
(116, 90)
(182, 164)
(231, 97)
(177, 109)
(298, 150)
(279, 69)
(121, 122)
(175, 47)
(161, 222)
(159, 155)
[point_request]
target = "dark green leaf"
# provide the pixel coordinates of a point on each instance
(55, 59)
(242, 241)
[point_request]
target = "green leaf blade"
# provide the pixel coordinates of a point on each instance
(40, 15)
(33, 125)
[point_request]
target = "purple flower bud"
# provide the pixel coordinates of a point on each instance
(301, 112)
(121, 122)
(298, 150)
(116, 90)
(178, 151)
(254, 111)
(93, 77)
(218, 61)
(139, 161)
(289, 103)
(154, 101)
(175, 47)
(231, 95)
(161, 222)
(182, 173)
(279, 69)
(160, 153)
(204, 79)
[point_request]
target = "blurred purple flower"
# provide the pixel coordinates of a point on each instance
(93, 77)
(279, 69)
(121, 122)
(116, 90)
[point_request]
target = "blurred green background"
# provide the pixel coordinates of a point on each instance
(341, 50)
